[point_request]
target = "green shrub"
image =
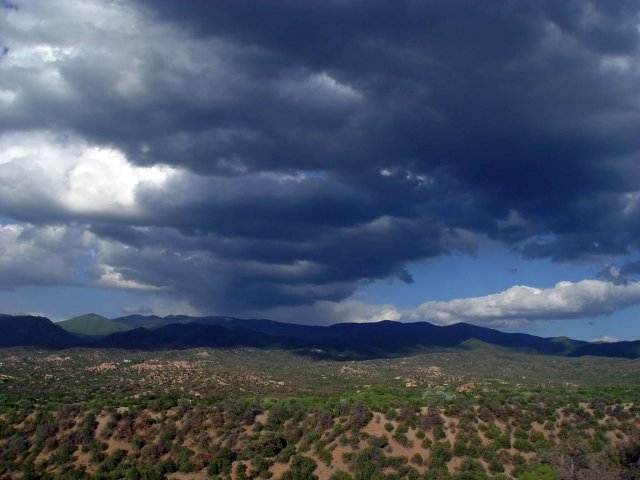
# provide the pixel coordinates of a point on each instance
(470, 469)
(439, 433)
(401, 438)
(440, 454)
(301, 468)
(63, 455)
(340, 475)
(541, 472)
(221, 461)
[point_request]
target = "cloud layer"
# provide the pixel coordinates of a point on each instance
(243, 156)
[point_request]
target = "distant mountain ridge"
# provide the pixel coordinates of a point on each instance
(342, 340)
(386, 334)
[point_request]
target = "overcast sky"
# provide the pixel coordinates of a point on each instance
(328, 161)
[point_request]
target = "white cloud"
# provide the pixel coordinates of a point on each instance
(318, 90)
(605, 339)
(46, 170)
(327, 84)
(587, 298)
(111, 278)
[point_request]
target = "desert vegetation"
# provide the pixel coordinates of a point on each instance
(477, 434)
(244, 414)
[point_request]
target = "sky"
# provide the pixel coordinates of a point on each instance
(321, 162)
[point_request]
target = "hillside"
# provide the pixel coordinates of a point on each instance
(481, 413)
(92, 325)
(623, 349)
(194, 335)
(386, 336)
(27, 330)
(152, 321)
(490, 436)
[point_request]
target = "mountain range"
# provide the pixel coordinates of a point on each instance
(342, 340)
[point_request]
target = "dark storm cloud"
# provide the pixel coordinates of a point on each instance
(240, 271)
(320, 145)
(8, 5)
(631, 268)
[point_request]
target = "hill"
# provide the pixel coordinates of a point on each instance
(395, 337)
(192, 335)
(623, 349)
(344, 340)
(92, 325)
(27, 330)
